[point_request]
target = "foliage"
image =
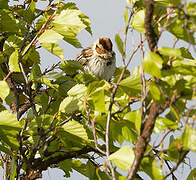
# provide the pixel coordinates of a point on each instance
(58, 116)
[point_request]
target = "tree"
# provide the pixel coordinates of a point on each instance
(58, 118)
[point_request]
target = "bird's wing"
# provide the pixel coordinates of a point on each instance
(84, 56)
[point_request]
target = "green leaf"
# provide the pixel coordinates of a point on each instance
(13, 169)
(70, 67)
(91, 171)
(68, 23)
(8, 22)
(78, 89)
(69, 104)
(69, 164)
(126, 14)
(138, 21)
(54, 49)
(118, 72)
(29, 13)
(35, 72)
(119, 44)
(2, 58)
(189, 138)
(152, 64)
(132, 84)
(4, 90)
(177, 27)
(163, 124)
(31, 57)
(50, 36)
(170, 51)
(99, 100)
(135, 117)
(45, 80)
(185, 53)
(75, 131)
(122, 131)
(192, 175)
(96, 86)
(185, 67)
(167, 2)
(9, 129)
(156, 93)
(123, 158)
(13, 62)
(5, 150)
(3, 4)
(83, 18)
(83, 78)
(9, 120)
(12, 43)
(86, 21)
(149, 166)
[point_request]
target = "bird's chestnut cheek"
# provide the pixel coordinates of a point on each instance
(99, 51)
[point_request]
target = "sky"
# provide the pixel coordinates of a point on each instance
(107, 19)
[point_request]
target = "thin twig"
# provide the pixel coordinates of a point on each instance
(110, 109)
(126, 33)
(95, 137)
(173, 176)
(180, 159)
(143, 108)
(39, 32)
(161, 141)
(51, 68)
(125, 107)
(7, 76)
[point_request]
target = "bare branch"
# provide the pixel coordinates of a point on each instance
(180, 159)
(150, 34)
(41, 164)
(95, 137)
(143, 108)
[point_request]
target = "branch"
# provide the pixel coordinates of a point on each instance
(143, 108)
(173, 176)
(180, 159)
(155, 109)
(41, 164)
(150, 34)
(95, 137)
(39, 32)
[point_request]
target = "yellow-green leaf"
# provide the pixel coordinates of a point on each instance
(138, 21)
(152, 64)
(78, 89)
(123, 158)
(50, 36)
(54, 49)
(189, 138)
(69, 104)
(4, 90)
(119, 44)
(170, 51)
(13, 62)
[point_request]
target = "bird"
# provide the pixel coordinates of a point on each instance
(99, 59)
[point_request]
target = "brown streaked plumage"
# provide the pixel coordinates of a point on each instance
(99, 59)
